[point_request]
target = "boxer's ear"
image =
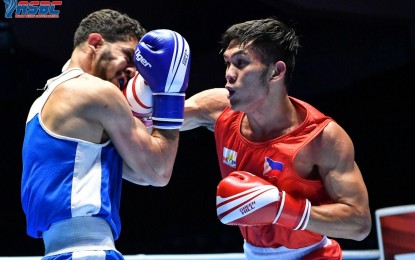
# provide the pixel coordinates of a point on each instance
(94, 40)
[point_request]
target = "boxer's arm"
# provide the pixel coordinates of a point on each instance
(163, 59)
(150, 157)
(349, 216)
(203, 108)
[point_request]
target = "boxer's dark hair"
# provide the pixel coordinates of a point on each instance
(111, 25)
(272, 39)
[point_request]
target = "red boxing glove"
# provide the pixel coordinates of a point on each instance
(245, 199)
(140, 98)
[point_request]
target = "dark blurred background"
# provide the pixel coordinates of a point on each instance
(356, 64)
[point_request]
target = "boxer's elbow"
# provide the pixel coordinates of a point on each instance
(363, 226)
(154, 176)
(162, 180)
(160, 177)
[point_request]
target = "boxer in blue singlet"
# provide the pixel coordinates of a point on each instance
(81, 140)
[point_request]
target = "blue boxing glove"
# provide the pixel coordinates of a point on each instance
(162, 57)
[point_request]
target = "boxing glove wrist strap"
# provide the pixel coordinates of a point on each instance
(168, 110)
(293, 213)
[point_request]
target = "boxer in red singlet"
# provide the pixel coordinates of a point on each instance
(290, 180)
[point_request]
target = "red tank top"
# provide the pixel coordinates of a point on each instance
(273, 161)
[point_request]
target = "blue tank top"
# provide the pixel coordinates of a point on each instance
(65, 177)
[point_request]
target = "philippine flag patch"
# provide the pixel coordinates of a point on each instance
(270, 165)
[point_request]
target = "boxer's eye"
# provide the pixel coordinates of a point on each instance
(121, 83)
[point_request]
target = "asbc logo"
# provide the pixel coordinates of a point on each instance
(32, 9)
